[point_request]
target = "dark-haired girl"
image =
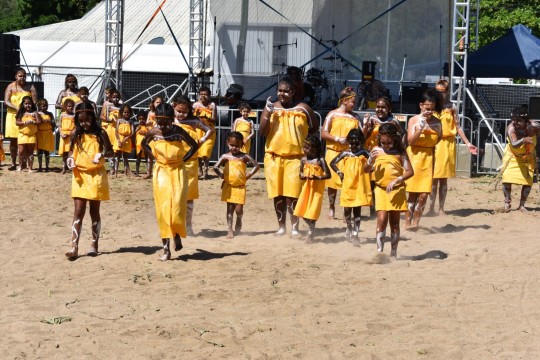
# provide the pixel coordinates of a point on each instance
(88, 147)
(27, 119)
(233, 189)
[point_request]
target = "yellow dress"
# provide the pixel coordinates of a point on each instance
(387, 168)
(202, 112)
(244, 127)
(45, 136)
(341, 125)
(309, 202)
(356, 188)
(284, 151)
(151, 120)
(421, 157)
(170, 185)
(27, 133)
(67, 124)
(192, 165)
(89, 180)
(124, 131)
(2, 152)
(75, 99)
(445, 150)
(519, 163)
(139, 136)
(110, 127)
(12, 130)
(233, 189)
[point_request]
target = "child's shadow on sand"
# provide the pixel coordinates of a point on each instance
(212, 234)
(147, 250)
(433, 254)
(207, 255)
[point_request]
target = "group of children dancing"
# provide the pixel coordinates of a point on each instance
(373, 161)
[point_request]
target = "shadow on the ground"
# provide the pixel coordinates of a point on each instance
(433, 254)
(147, 250)
(207, 255)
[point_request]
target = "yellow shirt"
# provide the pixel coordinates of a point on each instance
(288, 130)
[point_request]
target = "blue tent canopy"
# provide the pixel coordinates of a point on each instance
(514, 55)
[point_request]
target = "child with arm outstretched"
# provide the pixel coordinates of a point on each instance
(233, 189)
(356, 188)
(390, 165)
(313, 170)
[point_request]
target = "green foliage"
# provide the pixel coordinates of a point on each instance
(497, 16)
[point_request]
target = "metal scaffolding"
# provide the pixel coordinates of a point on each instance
(196, 46)
(114, 31)
(460, 47)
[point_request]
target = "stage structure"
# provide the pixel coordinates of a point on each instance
(196, 42)
(114, 30)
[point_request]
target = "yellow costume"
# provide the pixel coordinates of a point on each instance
(341, 125)
(519, 163)
(233, 189)
(170, 185)
(139, 136)
(27, 133)
(124, 131)
(445, 150)
(75, 99)
(386, 169)
(244, 127)
(89, 180)
(151, 120)
(192, 165)
(421, 157)
(110, 127)
(45, 136)
(356, 188)
(283, 152)
(309, 202)
(12, 130)
(2, 152)
(205, 114)
(67, 124)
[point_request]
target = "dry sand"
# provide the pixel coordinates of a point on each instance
(261, 297)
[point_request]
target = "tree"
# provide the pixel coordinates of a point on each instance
(37, 13)
(497, 16)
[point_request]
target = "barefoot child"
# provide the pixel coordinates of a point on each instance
(233, 189)
(206, 110)
(184, 118)
(313, 169)
(244, 125)
(27, 119)
(391, 167)
(45, 135)
(170, 146)
(140, 133)
(124, 131)
(109, 115)
(88, 148)
(356, 189)
(519, 159)
(67, 124)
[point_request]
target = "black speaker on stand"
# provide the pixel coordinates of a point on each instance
(10, 57)
(412, 93)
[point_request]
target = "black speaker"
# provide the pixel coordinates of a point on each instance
(534, 107)
(368, 70)
(411, 95)
(9, 42)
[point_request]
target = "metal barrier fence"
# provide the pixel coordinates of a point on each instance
(490, 141)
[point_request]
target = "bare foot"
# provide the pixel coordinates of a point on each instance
(442, 212)
(166, 255)
(190, 231)
(356, 241)
(309, 239)
(348, 235)
(281, 231)
(73, 253)
(147, 176)
(431, 212)
(177, 243)
(331, 214)
(506, 208)
(230, 234)
(294, 233)
(393, 252)
(238, 227)
(93, 249)
(522, 209)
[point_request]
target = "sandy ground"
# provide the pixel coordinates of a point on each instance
(261, 297)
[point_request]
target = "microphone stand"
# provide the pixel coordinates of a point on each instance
(401, 84)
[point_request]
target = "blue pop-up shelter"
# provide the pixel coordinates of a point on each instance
(514, 55)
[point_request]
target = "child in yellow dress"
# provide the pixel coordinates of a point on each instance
(109, 115)
(183, 117)
(151, 119)
(244, 125)
(45, 135)
(170, 146)
(140, 133)
(67, 124)
(28, 120)
(356, 189)
(89, 184)
(124, 132)
(391, 167)
(206, 110)
(519, 160)
(313, 170)
(233, 189)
